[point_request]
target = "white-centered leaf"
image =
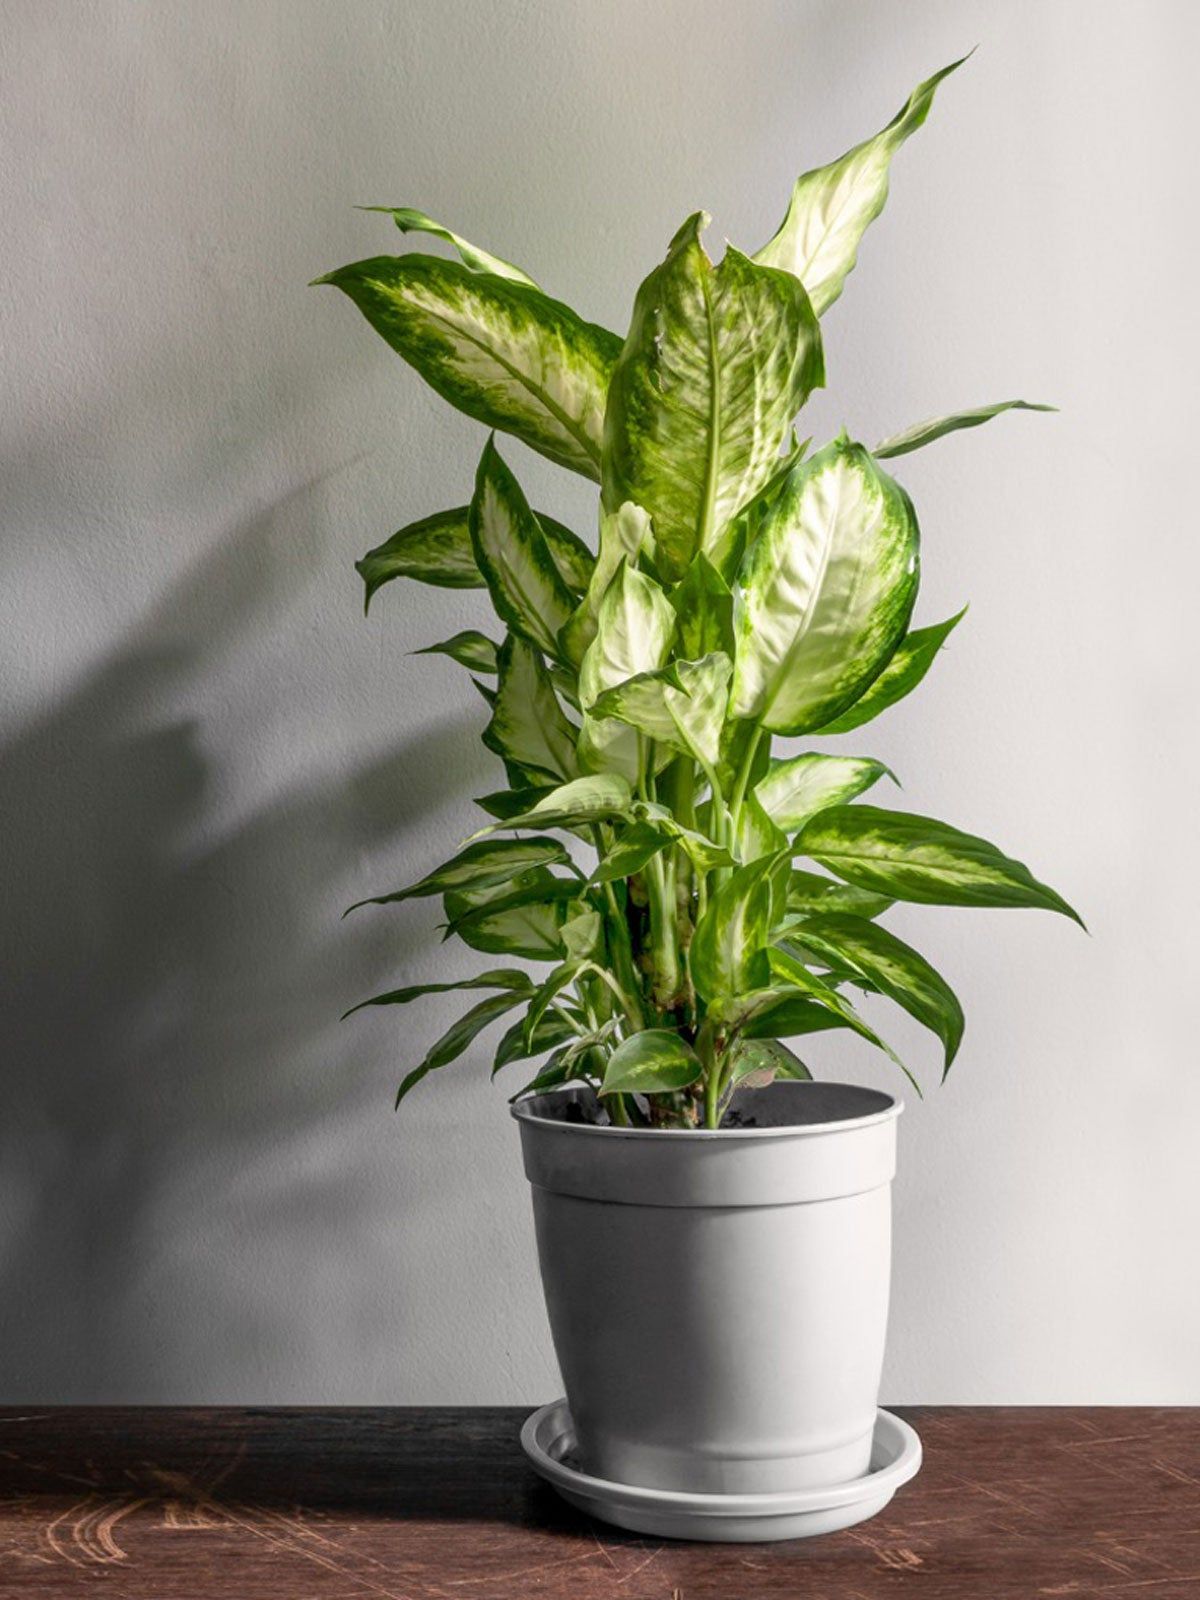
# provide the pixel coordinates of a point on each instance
(809, 892)
(470, 648)
(923, 433)
(624, 534)
(657, 1061)
(409, 220)
(728, 949)
(682, 705)
(596, 797)
(833, 206)
(911, 660)
(634, 629)
(825, 593)
(717, 362)
(526, 922)
(501, 351)
(529, 730)
(797, 788)
(511, 551)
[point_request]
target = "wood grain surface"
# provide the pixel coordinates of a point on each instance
(157, 1504)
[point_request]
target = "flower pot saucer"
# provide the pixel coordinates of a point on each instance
(548, 1439)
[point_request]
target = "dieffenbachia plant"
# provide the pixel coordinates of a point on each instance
(744, 589)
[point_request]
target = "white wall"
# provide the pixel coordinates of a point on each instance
(207, 752)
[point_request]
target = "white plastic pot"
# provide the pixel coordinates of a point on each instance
(718, 1300)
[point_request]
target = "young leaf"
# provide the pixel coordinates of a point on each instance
(915, 858)
(486, 862)
(809, 892)
(558, 1070)
(757, 836)
(796, 789)
(501, 351)
(832, 207)
(727, 953)
(717, 362)
(911, 661)
(655, 1062)
(526, 587)
(826, 592)
(544, 996)
(863, 949)
(703, 602)
(528, 728)
(923, 433)
(499, 978)
(469, 648)
(410, 221)
(624, 534)
(458, 1037)
(633, 634)
(682, 705)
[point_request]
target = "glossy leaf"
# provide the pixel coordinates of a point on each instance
(833, 206)
(596, 797)
(728, 950)
(624, 533)
(526, 587)
(717, 362)
(865, 950)
(796, 789)
(435, 550)
(682, 705)
(529, 729)
(523, 923)
(511, 978)
(633, 635)
(916, 858)
(786, 966)
(757, 835)
(809, 892)
(553, 1029)
(826, 592)
(501, 351)
(459, 1037)
(758, 1062)
(703, 602)
(478, 865)
(655, 1062)
(410, 221)
(469, 648)
(923, 433)
(912, 660)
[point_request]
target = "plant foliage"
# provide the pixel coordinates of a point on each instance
(649, 847)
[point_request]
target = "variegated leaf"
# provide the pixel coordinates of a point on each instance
(923, 433)
(633, 635)
(912, 659)
(469, 648)
(458, 1037)
(833, 206)
(826, 592)
(529, 730)
(809, 893)
(553, 1029)
(596, 797)
(511, 978)
(410, 221)
(758, 1062)
(654, 1062)
(717, 362)
(682, 705)
(797, 788)
(511, 551)
(703, 602)
(501, 351)
(728, 949)
(486, 862)
(624, 534)
(788, 967)
(524, 923)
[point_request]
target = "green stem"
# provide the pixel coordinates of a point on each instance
(712, 1077)
(743, 779)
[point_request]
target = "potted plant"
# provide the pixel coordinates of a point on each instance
(699, 892)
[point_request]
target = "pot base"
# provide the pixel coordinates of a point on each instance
(548, 1439)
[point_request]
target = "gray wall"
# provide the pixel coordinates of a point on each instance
(207, 752)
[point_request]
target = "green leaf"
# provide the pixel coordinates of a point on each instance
(757, 835)
(436, 550)
(796, 789)
(808, 892)
(575, 562)
(717, 363)
(597, 797)
(699, 848)
(911, 661)
(486, 862)
(655, 1062)
(552, 1030)
(469, 648)
(458, 1037)
(758, 1062)
(558, 1070)
(782, 1015)
(633, 635)
(703, 603)
(526, 587)
(682, 705)
(624, 534)
(923, 433)
(526, 922)
(501, 351)
(528, 727)
(499, 978)
(864, 950)
(410, 221)
(544, 996)
(826, 592)
(636, 845)
(727, 952)
(833, 206)
(786, 966)
(916, 858)
(507, 803)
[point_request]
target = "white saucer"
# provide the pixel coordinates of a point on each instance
(548, 1439)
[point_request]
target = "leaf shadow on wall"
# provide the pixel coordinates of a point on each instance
(177, 1091)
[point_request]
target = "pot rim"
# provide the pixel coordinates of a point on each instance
(522, 1111)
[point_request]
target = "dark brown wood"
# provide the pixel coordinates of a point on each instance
(440, 1505)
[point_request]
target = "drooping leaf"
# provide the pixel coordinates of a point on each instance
(575, 562)
(636, 845)
(528, 728)
(757, 835)
(498, 978)
(833, 206)
(916, 858)
(486, 862)
(911, 661)
(797, 788)
(923, 433)
(893, 968)
(717, 362)
(624, 534)
(758, 1062)
(728, 950)
(596, 797)
(633, 635)
(546, 993)
(826, 592)
(558, 1070)
(469, 648)
(507, 803)
(790, 969)
(553, 1029)
(435, 550)
(809, 892)
(526, 922)
(654, 1062)
(458, 1037)
(411, 221)
(501, 351)
(526, 587)
(703, 602)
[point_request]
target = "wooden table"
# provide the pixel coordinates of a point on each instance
(440, 1505)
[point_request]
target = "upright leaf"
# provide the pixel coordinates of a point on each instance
(553, 1029)
(923, 433)
(458, 1037)
(682, 705)
(915, 858)
(728, 950)
(717, 362)
(410, 221)
(624, 533)
(528, 729)
(703, 603)
(912, 660)
(633, 635)
(501, 351)
(526, 587)
(833, 206)
(826, 592)
(796, 789)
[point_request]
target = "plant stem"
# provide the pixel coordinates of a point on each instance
(743, 778)
(712, 1077)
